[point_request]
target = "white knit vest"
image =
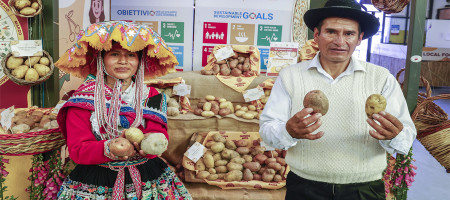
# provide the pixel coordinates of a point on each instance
(346, 153)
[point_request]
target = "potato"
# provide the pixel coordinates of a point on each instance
(248, 116)
(27, 120)
(261, 158)
(241, 143)
(270, 160)
(200, 165)
(206, 106)
(252, 166)
(217, 147)
(230, 145)
(134, 135)
(248, 176)
(207, 114)
(224, 112)
(219, 138)
(20, 71)
(212, 170)
(210, 97)
(257, 177)
(121, 147)
(233, 63)
(14, 62)
(198, 111)
(239, 113)
(154, 144)
(282, 171)
(274, 165)
(173, 103)
(226, 154)
(224, 61)
(234, 166)
(257, 150)
(235, 175)
(375, 103)
(202, 174)
(281, 161)
(238, 160)
(247, 158)
(21, 128)
(251, 107)
(206, 72)
(31, 75)
(221, 169)
(243, 150)
(35, 5)
(221, 175)
(222, 100)
(216, 68)
(209, 152)
(268, 175)
(244, 108)
(27, 11)
(217, 157)
(212, 177)
(277, 178)
(271, 154)
(209, 144)
(316, 100)
(225, 70)
(19, 4)
(215, 108)
(234, 154)
(209, 161)
(173, 111)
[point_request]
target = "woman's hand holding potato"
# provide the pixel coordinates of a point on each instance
(301, 127)
(388, 128)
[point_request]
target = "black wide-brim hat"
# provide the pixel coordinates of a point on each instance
(346, 9)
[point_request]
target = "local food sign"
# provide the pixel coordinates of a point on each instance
(435, 54)
(239, 22)
(172, 19)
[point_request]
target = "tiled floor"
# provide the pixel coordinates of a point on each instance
(432, 182)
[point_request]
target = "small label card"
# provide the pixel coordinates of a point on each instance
(281, 55)
(7, 116)
(253, 94)
(182, 89)
(267, 147)
(224, 53)
(195, 152)
(26, 48)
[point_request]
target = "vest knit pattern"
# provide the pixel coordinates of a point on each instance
(346, 153)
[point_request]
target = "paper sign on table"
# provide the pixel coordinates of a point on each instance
(182, 89)
(281, 55)
(7, 116)
(26, 48)
(223, 53)
(195, 152)
(253, 94)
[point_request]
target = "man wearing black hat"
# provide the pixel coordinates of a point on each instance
(341, 155)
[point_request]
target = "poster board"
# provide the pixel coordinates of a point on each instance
(239, 22)
(172, 19)
(435, 54)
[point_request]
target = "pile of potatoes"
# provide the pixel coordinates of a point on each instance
(31, 70)
(240, 161)
(211, 105)
(24, 122)
(237, 65)
(26, 7)
(173, 106)
(246, 112)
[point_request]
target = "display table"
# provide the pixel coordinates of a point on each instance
(203, 191)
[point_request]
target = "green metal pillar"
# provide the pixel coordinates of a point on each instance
(45, 27)
(315, 4)
(414, 53)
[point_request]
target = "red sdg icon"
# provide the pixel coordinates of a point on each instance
(215, 33)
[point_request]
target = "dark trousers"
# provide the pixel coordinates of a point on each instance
(299, 188)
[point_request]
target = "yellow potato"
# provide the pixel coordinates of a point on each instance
(44, 61)
(14, 62)
(27, 11)
(31, 75)
(20, 71)
(316, 100)
(375, 104)
(35, 5)
(19, 4)
(42, 70)
(34, 60)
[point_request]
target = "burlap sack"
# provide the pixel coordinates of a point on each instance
(251, 137)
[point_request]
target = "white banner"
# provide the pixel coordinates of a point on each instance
(239, 22)
(172, 19)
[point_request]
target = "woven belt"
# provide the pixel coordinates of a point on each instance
(119, 185)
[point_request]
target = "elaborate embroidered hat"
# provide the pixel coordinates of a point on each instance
(80, 60)
(346, 9)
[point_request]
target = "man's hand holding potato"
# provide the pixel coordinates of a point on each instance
(388, 128)
(301, 127)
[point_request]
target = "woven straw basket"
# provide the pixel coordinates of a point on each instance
(390, 6)
(31, 143)
(23, 81)
(17, 12)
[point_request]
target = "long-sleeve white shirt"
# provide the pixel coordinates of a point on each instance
(277, 111)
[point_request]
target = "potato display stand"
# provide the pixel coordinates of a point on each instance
(182, 128)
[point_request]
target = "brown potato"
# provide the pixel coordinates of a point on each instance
(14, 62)
(270, 160)
(216, 68)
(31, 75)
(230, 145)
(233, 63)
(225, 70)
(206, 72)
(248, 176)
(243, 150)
(375, 103)
(316, 100)
(261, 158)
(274, 165)
(277, 178)
(247, 158)
(201, 102)
(236, 72)
(252, 166)
(257, 177)
(238, 160)
(257, 150)
(198, 111)
(224, 112)
(226, 154)
(281, 161)
(241, 143)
